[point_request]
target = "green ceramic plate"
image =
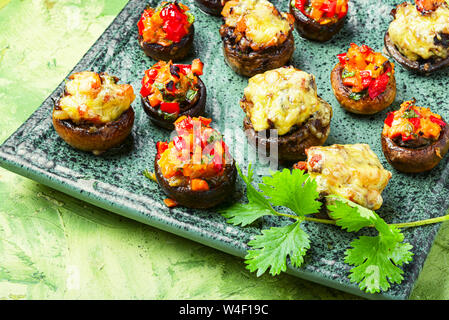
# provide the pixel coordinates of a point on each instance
(114, 181)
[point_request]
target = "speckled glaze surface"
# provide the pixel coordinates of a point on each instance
(115, 182)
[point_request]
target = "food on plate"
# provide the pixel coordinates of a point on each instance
(418, 37)
(173, 90)
(352, 171)
(212, 7)
(256, 36)
(94, 113)
(319, 20)
(414, 139)
(284, 110)
(363, 81)
(195, 169)
(166, 32)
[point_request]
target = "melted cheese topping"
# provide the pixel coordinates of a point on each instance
(94, 97)
(351, 171)
(282, 98)
(258, 19)
(413, 33)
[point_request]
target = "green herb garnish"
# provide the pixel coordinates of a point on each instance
(409, 114)
(191, 94)
(347, 74)
(376, 260)
(357, 95)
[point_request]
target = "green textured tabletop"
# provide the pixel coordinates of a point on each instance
(53, 246)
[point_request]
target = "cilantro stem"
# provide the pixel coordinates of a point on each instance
(398, 225)
(422, 222)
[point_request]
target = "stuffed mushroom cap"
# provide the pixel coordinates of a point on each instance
(418, 38)
(319, 20)
(195, 169)
(363, 81)
(256, 36)
(172, 90)
(283, 108)
(352, 171)
(94, 113)
(414, 139)
(166, 32)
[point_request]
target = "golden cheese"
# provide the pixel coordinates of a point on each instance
(353, 172)
(262, 26)
(282, 98)
(414, 33)
(95, 97)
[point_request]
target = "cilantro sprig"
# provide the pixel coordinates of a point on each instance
(376, 260)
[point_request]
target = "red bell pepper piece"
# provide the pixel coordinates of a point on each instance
(379, 85)
(300, 5)
(161, 147)
(390, 118)
(179, 143)
(330, 8)
(342, 58)
(366, 78)
(439, 122)
(415, 122)
(170, 107)
(184, 124)
(145, 91)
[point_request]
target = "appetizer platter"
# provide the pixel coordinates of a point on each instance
(203, 82)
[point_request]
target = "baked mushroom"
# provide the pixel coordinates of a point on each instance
(352, 171)
(212, 7)
(418, 37)
(173, 90)
(363, 81)
(319, 20)
(256, 36)
(284, 114)
(94, 113)
(414, 139)
(166, 32)
(195, 169)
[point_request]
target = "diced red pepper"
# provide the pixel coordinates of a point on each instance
(366, 78)
(161, 147)
(439, 122)
(415, 122)
(205, 121)
(145, 90)
(365, 49)
(390, 118)
(184, 124)
(170, 107)
(330, 8)
(179, 143)
(379, 85)
(342, 58)
(300, 5)
(184, 68)
(174, 22)
(407, 138)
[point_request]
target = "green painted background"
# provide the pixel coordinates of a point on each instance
(53, 246)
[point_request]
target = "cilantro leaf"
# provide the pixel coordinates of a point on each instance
(274, 245)
(349, 215)
(257, 206)
(377, 260)
(294, 190)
